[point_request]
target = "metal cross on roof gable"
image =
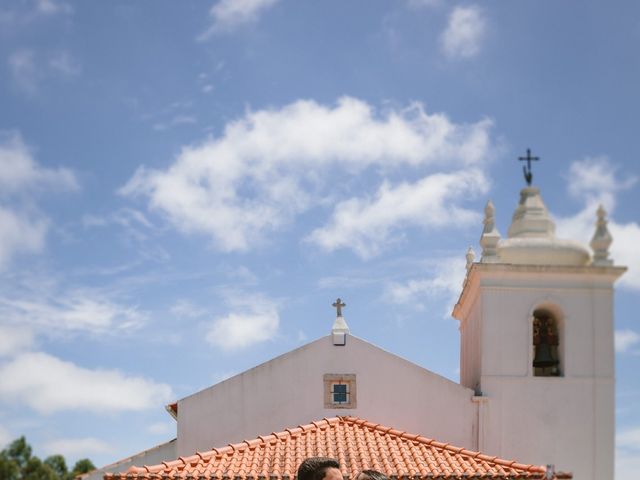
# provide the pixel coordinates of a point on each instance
(338, 304)
(528, 176)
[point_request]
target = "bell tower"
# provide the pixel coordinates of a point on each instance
(536, 325)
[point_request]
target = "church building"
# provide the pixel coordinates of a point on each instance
(535, 398)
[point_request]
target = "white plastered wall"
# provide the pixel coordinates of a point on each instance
(567, 421)
(152, 456)
(289, 390)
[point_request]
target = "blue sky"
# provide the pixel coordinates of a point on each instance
(186, 187)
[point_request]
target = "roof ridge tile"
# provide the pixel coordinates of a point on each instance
(470, 453)
(201, 455)
(425, 440)
(222, 450)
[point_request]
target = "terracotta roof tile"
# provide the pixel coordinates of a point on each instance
(357, 444)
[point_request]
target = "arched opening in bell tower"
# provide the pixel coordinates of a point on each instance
(546, 342)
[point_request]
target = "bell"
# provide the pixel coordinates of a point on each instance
(543, 358)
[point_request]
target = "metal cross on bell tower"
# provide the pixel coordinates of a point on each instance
(528, 175)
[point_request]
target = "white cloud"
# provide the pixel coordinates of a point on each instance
(54, 313)
(162, 428)
(24, 71)
(186, 309)
(629, 439)
(365, 225)
(625, 339)
(135, 230)
(49, 384)
(64, 63)
(241, 275)
(628, 454)
(29, 68)
(349, 280)
(624, 251)
(464, 33)
(272, 165)
(5, 437)
(137, 233)
(627, 465)
(23, 227)
(19, 171)
(254, 320)
(176, 121)
(125, 217)
(228, 15)
(594, 182)
(423, 3)
(445, 280)
(21, 233)
(52, 7)
(76, 447)
(14, 339)
(579, 226)
(16, 16)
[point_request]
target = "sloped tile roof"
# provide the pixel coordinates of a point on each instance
(356, 443)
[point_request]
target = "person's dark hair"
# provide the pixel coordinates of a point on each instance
(371, 475)
(314, 468)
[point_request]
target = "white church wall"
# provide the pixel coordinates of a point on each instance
(152, 456)
(549, 420)
(504, 333)
(604, 351)
(586, 327)
(289, 390)
(566, 420)
(604, 428)
(470, 347)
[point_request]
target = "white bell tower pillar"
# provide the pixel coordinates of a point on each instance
(536, 324)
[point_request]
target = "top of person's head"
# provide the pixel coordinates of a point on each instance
(371, 475)
(314, 468)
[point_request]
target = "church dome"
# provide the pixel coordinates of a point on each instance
(531, 237)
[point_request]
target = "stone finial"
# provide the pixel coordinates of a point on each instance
(531, 218)
(601, 240)
(490, 235)
(470, 256)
